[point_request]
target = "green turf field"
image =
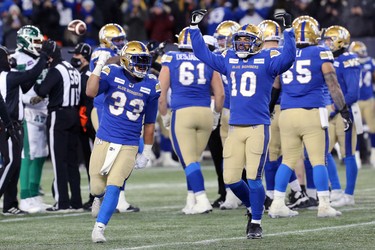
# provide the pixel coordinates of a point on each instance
(160, 193)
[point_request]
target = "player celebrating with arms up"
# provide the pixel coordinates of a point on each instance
(251, 73)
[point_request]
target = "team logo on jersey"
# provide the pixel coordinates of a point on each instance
(259, 61)
(157, 87)
(336, 64)
(145, 90)
(233, 60)
(119, 80)
(326, 55)
(274, 53)
(166, 58)
(106, 70)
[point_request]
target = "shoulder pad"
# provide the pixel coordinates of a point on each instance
(157, 87)
(152, 76)
(352, 62)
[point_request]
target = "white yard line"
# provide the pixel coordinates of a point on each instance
(299, 232)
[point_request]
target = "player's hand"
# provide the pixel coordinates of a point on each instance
(286, 17)
(103, 57)
(48, 47)
(345, 114)
(141, 161)
(13, 131)
(166, 120)
(216, 119)
(197, 16)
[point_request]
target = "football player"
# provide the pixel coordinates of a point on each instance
(130, 99)
(348, 71)
(112, 39)
(303, 119)
(192, 120)
(251, 72)
(366, 98)
(35, 150)
(228, 200)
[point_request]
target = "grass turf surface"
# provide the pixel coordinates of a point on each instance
(161, 193)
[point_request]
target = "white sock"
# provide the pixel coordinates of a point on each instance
(294, 185)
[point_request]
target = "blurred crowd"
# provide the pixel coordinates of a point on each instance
(160, 20)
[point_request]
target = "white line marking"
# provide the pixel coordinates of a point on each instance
(203, 242)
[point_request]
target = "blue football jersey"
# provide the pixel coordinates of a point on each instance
(98, 100)
(226, 92)
(190, 80)
(303, 84)
(348, 71)
(127, 105)
(368, 69)
(250, 80)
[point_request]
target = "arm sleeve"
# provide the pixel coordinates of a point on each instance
(27, 78)
(52, 78)
(4, 115)
(281, 63)
(201, 51)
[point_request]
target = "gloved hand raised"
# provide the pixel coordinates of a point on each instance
(197, 16)
(286, 17)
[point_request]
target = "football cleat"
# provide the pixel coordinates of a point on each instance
(255, 231)
(327, 211)
(345, 200)
(218, 202)
(96, 206)
(190, 202)
(267, 203)
(28, 205)
(201, 206)
(231, 201)
(97, 234)
(336, 195)
(278, 209)
(249, 217)
(55, 209)
(297, 200)
(14, 211)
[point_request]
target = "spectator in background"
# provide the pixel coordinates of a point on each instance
(12, 22)
(180, 20)
(219, 14)
(330, 12)
(93, 18)
(135, 17)
(160, 24)
(302, 7)
(47, 18)
(251, 15)
(357, 16)
(110, 10)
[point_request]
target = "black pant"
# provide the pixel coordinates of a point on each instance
(216, 149)
(10, 170)
(63, 135)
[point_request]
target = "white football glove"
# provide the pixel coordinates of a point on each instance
(216, 119)
(141, 161)
(102, 59)
(166, 120)
(197, 16)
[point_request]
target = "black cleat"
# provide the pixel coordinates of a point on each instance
(255, 231)
(249, 217)
(298, 200)
(267, 203)
(87, 206)
(218, 202)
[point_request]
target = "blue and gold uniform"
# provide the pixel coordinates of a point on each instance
(250, 73)
(190, 81)
(303, 119)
